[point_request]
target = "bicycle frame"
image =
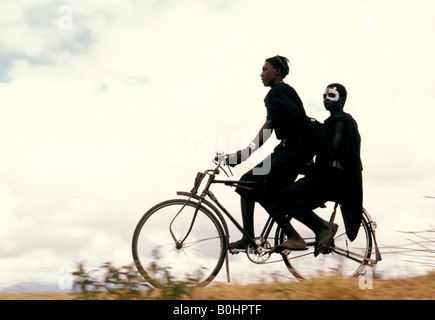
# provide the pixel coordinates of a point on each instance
(203, 201)
(206, 192)
(221, 211)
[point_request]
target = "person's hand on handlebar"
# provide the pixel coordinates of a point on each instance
(233, 159)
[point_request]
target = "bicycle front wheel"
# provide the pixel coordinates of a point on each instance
(176, 242)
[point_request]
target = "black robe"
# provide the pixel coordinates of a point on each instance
(286, 111)
(351, 200)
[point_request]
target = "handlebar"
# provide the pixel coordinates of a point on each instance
(219, 160)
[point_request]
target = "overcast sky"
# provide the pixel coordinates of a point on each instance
(108, 107)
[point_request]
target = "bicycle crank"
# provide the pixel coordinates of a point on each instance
(261, 254)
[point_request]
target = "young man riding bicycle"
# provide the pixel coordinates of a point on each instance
(286, 116)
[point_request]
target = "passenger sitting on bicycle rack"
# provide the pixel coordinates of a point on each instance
(336, 174)
(286, 116)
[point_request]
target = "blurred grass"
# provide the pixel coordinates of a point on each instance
(327, 288)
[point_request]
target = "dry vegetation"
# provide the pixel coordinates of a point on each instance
(415, 288)
(327, 288)
(123, 283)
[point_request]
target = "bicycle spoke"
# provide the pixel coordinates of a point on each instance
(189, 244)
(299, 255)
(343, 234)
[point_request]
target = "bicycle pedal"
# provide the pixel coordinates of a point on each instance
(236, 251)
(281, 250)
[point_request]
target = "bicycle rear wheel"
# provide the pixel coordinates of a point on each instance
(162, 257)
(343, 258)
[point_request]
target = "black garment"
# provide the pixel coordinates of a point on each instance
(286, 111)
(326, 183)
(351, 199)
(275, 172)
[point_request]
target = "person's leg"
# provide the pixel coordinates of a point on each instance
(283, 171)
(294, 240)
(258, 175)
(310, 219)
(324, 230)
(307, 194)
(247, 206)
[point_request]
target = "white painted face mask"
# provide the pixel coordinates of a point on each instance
(331, 94)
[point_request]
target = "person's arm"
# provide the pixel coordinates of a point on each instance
(337, 138)
(262, 136)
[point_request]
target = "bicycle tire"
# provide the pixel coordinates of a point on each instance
(345, 258)
(156, 254)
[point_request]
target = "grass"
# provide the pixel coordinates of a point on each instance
(326, 288)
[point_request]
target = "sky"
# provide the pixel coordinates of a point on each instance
(108, 107)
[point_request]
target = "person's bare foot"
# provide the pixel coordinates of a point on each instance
(325, 237)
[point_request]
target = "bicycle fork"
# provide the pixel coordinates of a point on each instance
(178, 243)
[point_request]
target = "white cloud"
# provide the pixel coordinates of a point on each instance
(84, 112)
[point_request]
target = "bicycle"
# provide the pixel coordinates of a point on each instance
(182, 236)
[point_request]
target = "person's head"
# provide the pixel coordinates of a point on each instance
(274, 70)
(334, 97)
